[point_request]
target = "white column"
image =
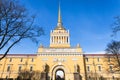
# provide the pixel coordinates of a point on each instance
(53, 39)
(62, 39)
(50, 40)
(68, 31)
(68, 39)
(65, 39)
(58, 39)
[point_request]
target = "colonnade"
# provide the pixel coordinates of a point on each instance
(59, 39)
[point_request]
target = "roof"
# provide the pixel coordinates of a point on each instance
(99, 54)
(20, 54)
(60, 27)
(36, 54)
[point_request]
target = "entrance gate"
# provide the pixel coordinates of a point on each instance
(59, 74)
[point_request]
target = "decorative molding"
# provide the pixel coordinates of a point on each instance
(60, 50)
(59, 59)
(44, 59)
(60, 54)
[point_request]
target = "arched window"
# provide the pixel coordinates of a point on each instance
(19, 68)
(31, 68)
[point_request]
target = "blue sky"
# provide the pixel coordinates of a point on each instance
(89, 22)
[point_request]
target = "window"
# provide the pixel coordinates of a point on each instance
(20, 67)
(8, 68)
(21, 60)
(31, 68)
(88, 68)
(99, 68)
(59, 31)
(32, 60)
(108, 59)
(86, 59)
(98, 59)
(10, 60)
(111, 67)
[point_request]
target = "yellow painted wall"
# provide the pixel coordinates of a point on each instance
(68, 63)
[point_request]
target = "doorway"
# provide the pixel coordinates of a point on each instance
(59, 74)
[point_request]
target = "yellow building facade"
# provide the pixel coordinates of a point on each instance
(59, 59)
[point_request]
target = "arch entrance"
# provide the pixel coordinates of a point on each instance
(60, 74)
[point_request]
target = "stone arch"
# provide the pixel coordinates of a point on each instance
(60, 74)
(60, 64)
(57, 67)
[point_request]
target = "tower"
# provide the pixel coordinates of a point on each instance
(59, 37)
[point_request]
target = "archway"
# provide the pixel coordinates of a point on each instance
(59, 74)
(57, 69)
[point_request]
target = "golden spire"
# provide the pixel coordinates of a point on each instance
(59, 24)
(59, 15)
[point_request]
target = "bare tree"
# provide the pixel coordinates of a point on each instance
(15, 25)
(113, 52)
(29, 75)
(94, 76)
(116, 25)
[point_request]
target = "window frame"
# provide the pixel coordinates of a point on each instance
(19, 68)
(32, 60)
(10, 60)
(21, 60)
(31, 68)
(98, 59)
(109, 59)
(8, 68)
(111, 67)
(99, 68)
(86, 59)
(88, 68)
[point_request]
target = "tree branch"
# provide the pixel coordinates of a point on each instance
(10, 48)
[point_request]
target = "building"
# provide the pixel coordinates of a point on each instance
(60, 60)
